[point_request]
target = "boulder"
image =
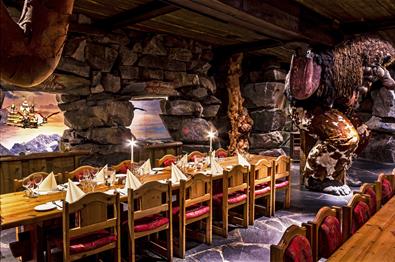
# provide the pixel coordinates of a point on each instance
(109, 135)
(150, 88)
(210, 111)
(127, 56)
(183, 108)
(377, 124)
(384, 103)
(267, 120)
(158, 62)
(100, 57)
(97, 89)
(211, 100)
(72, 106)
(380, 148)
(75, 48)
(266, 140)
(151, 74)
(66, 84)
(266, 94)
(73, 66)
(208, 83)
(129, 72)
(274, 75)
(180, 54)
(273, 152)
(154, 46)
(111, 83)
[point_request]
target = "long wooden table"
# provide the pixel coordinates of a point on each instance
(374, 241)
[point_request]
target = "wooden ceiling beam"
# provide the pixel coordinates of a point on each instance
(367, 26)
(248, 47)
(137, 15)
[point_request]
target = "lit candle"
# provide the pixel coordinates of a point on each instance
(132, 145)
(211, 135)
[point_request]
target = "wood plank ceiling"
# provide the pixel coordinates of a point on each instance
(259, 26)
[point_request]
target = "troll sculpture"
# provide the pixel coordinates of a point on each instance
(324, 87)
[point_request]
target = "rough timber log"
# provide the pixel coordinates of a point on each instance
(241, 122)
(31, 49)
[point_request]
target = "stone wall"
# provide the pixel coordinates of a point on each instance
(99, 73)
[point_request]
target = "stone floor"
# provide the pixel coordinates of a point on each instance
(253, 243)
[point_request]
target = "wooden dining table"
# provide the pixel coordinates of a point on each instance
(374, 241)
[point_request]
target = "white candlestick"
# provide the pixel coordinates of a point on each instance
(211, 144)
(132, 150)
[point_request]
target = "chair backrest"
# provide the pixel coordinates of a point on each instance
(282, 167)
(17, 185)
(387, 186)
(78, 172)
(325, 232)
(374, 191)
(166, 160)
(293, 246)
(122, 167)
(94, 212)
(196, 154)
(196, 190)
(221, 153)
(235, 179)
(261, 172)
(355, 214)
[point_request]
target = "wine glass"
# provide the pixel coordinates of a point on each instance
(27, 184)
(37, 179)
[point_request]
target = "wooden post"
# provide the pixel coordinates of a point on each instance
(241, 122)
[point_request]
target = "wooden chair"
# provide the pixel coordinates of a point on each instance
(234, 193)
(196, 154)
(166, 160)
(282, 180)
(261, 184)
(77, 173)
(374, 192)
(293, 246)
(195, 205)
(18, 183)
(325, 232)
(96, 228)
(149, 212)
(355, 214)
(221, 153)
(122, 167)
(387, 186)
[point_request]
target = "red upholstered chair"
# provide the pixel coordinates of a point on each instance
(195, 205)
(261, 183)
(149, 212)
(166, 160)
(325, 232)
(122, 167)
(221, 153)
(387, 187)
(374, 192)
(196, 154)
(78, 172)
(294, 246)
(93, 231)
(355, 214)
(282, 180)
(234, 193)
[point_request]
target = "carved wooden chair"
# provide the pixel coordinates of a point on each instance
(18, 183)
(221, 153)
(196, 154)
(149, 212)
(96, 227)
(387, 186)
(282, 180)
(166, 160)
(122, 167)
(261, 184)
(374, 192)
(195, 205)
(235, 184)
(355, 214)
(293, 246)
(78, 172)
(325, 232)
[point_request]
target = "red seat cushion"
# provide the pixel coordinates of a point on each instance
(373, 199)
(221, 154)
(87, 242)
(232, 199)
(262, 189)
(298, 250)
(150, 223)
(330, 236)
(169, 161)
(387, 190)
(361, 214)
(193, 211)
(282, 184)
(123, 169)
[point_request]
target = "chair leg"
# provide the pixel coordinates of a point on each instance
(132, 250)
(252, 211)
(182, 239)
(209, 231)
(169, 236)
(287, 200)
(273, 202)
(245, 215)
(268, 206)
(225, 223)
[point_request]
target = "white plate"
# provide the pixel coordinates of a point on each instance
(45, 207)
(158, 168)
(120, 175)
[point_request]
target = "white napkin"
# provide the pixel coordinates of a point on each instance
(100, 176)
(131, 182)
(183, 161)
(48, 184)
(73, 192)
(216, 168)
(145, 168)
(176, 175)
(242, 161)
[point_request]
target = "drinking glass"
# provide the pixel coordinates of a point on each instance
(28, 185)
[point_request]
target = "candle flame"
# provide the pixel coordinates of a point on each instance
(211, 134)
(132, 143)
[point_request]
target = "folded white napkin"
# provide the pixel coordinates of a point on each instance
(176, 175)
(131, 182)
(48, 184)
(100, 176)
(242, 161)
(183, 161)
(216, 168)
(145, 168)
(73, 192)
